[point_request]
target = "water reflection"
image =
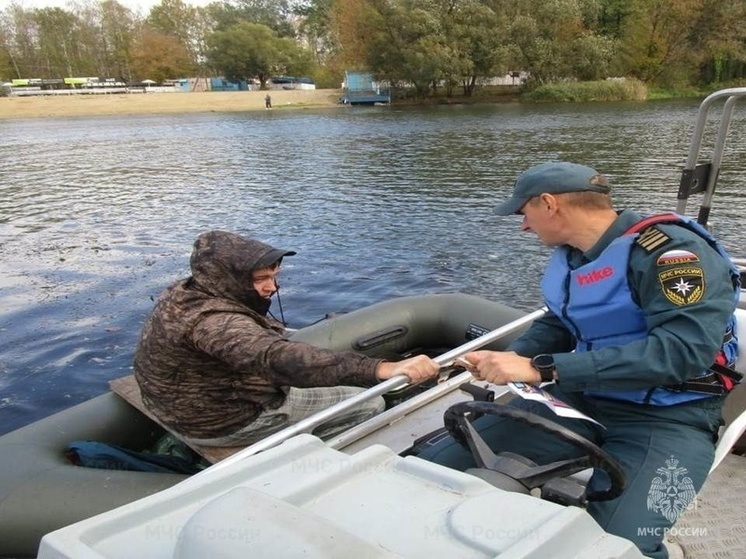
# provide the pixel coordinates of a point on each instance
(97, 215)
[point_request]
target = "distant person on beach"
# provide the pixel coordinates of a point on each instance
(267, 101)
(217, 369)
(639, 336)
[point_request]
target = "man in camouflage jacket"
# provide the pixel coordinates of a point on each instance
(216, 370)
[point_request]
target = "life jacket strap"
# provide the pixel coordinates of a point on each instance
(652, 220)
(719, 381)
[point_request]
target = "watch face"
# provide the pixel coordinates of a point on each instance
(543, 361)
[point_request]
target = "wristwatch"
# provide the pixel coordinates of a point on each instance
(544, 363)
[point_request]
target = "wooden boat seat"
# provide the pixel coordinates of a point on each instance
(127, 389)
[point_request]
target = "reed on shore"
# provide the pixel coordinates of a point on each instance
(601, 90)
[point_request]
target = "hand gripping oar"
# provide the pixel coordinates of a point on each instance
(307, 424)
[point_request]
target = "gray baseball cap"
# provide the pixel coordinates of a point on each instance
(555, 177)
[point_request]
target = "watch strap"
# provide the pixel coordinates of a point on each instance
(547, 374)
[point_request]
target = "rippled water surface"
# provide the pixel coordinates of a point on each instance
(97, 215)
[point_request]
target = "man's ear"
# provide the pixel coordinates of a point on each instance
(548, 202)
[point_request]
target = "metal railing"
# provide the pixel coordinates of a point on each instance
(702, 177)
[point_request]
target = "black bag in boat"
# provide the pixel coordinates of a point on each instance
(92, 454)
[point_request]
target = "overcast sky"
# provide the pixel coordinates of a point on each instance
(135, 5)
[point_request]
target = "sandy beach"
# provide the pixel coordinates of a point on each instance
(161, 103)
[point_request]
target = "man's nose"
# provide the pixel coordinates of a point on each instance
(524, 224)
(268, 286)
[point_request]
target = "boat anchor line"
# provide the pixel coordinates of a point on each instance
(357, 432)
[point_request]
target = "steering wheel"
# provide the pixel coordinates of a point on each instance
(517, 473)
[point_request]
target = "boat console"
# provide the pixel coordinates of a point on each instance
(304, 499)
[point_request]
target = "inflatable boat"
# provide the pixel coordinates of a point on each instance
(41, 490)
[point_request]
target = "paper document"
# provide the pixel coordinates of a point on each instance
(531, 392)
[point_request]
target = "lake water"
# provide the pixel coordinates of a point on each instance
(97, 215)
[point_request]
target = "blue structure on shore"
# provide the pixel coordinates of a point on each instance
(360, 89)
(221, 84)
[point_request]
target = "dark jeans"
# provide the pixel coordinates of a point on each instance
(668, 449)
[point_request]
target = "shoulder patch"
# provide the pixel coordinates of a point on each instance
(683, 285)
(677, 257)
(652, 239)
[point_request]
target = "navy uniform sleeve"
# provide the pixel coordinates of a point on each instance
(545, 335)
(687, 296)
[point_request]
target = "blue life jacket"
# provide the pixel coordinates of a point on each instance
(595, 303)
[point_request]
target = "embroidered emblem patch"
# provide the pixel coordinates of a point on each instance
(677, 257)
(684, 285)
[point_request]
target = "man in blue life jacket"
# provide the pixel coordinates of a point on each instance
(639, 312)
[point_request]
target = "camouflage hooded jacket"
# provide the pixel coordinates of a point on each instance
(209, 360)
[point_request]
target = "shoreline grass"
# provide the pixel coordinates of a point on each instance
(581, 92)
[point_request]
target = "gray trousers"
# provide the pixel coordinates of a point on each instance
(299, 404)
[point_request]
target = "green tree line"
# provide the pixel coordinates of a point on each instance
(425, 45)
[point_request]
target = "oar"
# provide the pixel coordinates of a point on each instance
(307, 424)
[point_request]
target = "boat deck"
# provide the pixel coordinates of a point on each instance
(715, 528)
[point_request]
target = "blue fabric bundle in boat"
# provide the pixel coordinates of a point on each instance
(92, 454)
